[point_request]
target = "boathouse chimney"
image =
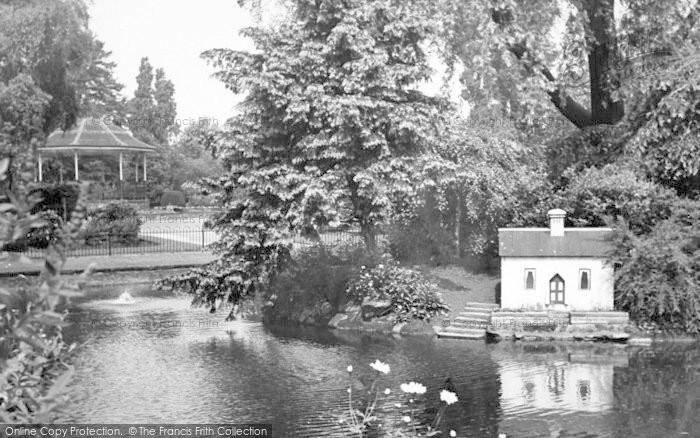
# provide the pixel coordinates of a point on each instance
(556, 222)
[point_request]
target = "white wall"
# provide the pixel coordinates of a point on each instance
(515, 296)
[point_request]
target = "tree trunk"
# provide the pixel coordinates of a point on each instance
(602, 55)
(602, 46)
(361, 212)
(458, 226)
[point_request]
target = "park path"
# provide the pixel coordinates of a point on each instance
(180, 229)
(118, 262)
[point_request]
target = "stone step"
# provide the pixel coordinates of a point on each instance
(474, 315)
(462, 333)
(468, 326)
(477, 310)
(463, 320)
(488, 306)
(611, 314)
(470, 322)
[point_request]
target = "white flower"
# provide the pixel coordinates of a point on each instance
(349, 368)
(380, 366)
(406, 419)
(387, 391)
(349, 390)
(413, 388)
(501, 435)
(453, 433)
(448, 397)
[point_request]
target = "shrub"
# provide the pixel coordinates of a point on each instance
(118, 222)
(173, 197)
(47, 235)
(316, 275)
(61, 199)
(196, 197)
(658, 282)
(411, 295)
(154, 194)
(34, 368)
(417, 242)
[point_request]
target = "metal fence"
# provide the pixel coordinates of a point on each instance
(177, 240)
(149, 241)
(329, 238)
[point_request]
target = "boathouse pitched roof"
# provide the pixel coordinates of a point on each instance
(539, 242)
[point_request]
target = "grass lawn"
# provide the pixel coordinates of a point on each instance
(459, 286)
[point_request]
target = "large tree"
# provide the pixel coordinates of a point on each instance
(151, 117)
(51, 69)
(331, 115)
(623, 71)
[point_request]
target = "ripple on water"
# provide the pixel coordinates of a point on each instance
(159, 360)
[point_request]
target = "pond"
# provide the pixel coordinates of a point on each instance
(155, 359)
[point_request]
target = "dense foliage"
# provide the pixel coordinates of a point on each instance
(51, 69)
(332, 112)
(659, 278)
(33, 357)
(314, 285)
(411, 295)
(615, 191)
(117, 222)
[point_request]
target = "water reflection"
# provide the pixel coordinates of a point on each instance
(158, 360)
(561, 380)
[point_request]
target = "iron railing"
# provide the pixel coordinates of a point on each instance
(328, 238)
(177, 240)
(151, 241)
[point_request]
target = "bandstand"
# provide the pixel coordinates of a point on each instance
(96, 137)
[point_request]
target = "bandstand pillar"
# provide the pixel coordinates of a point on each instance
(75, 165)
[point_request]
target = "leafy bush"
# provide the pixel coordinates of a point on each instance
(154, 194)
(47, 235)
(658, 282)
(411, 295)
(316, 275)
(33, 357)
(173, 197)
(119, 222)
(61, 199)
(196, 197)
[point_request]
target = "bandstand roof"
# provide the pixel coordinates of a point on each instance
(92, 135)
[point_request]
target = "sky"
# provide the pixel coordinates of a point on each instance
(172, 34)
